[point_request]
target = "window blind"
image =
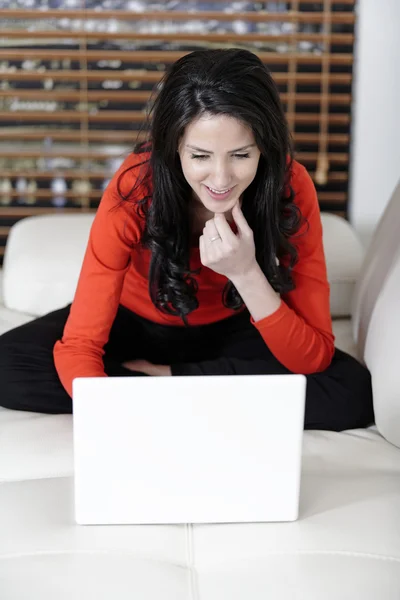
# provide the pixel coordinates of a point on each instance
(76, 78)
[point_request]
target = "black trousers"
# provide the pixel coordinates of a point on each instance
(338, 398)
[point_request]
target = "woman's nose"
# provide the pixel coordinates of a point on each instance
(221, 179)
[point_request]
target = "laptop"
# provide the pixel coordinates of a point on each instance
(188, 449)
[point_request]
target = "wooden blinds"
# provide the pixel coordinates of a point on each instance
(76, 77)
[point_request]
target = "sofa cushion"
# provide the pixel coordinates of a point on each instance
(344, 255)
(39, 446)
(343, 333)
(44, 255)
(11, 318)
(43, 260)
(349, 524)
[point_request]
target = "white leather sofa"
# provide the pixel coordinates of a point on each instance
(346, 543)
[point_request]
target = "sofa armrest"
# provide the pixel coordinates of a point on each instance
(382, 352)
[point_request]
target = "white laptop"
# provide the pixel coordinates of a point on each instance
(188, 449)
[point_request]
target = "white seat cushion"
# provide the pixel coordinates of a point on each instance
(349, 524)
(10, 318)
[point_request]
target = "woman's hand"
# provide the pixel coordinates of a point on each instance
(144, 366)
(231, 254)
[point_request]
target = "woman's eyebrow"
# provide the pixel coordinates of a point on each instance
(229, 152)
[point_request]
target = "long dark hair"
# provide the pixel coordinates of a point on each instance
(235, 83)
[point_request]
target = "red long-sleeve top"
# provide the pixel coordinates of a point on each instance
(115, 271)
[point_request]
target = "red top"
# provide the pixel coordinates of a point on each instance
(114, 271)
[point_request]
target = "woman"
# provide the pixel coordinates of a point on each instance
(205, 258)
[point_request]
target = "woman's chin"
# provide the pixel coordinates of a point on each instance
(219, 206)
(211, 206)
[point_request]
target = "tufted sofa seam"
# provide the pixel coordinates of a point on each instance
(191, 567)
(190, 561)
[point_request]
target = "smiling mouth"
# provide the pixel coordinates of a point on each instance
(217, 194)
(219, 191)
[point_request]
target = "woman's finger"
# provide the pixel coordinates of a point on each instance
(240, 220)
(210, 231)
(223, 228)
(202, 249)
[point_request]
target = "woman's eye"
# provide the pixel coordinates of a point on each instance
(205, 156)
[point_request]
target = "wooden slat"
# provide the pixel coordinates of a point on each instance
(313, 138)
(332, 197)
(342, 99)
(333, 157)
(100, 155)
(121, 116)
(62, 152)
(334, 38)
(333, 177)
(4, 231)
(288, 2)
(77, 95)
(161, 56)
(129, 75)
(336, 177)
(65, 173)
(131, 136)
(69, 136)
(260, 16)
(310, 119)
(72, 116)
(18, 212)
(48, 194)
(137, 96)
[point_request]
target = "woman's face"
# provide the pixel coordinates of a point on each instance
(218, 154)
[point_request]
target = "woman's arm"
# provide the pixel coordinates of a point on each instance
(257, 293)
(79, 353)
(298, 328)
